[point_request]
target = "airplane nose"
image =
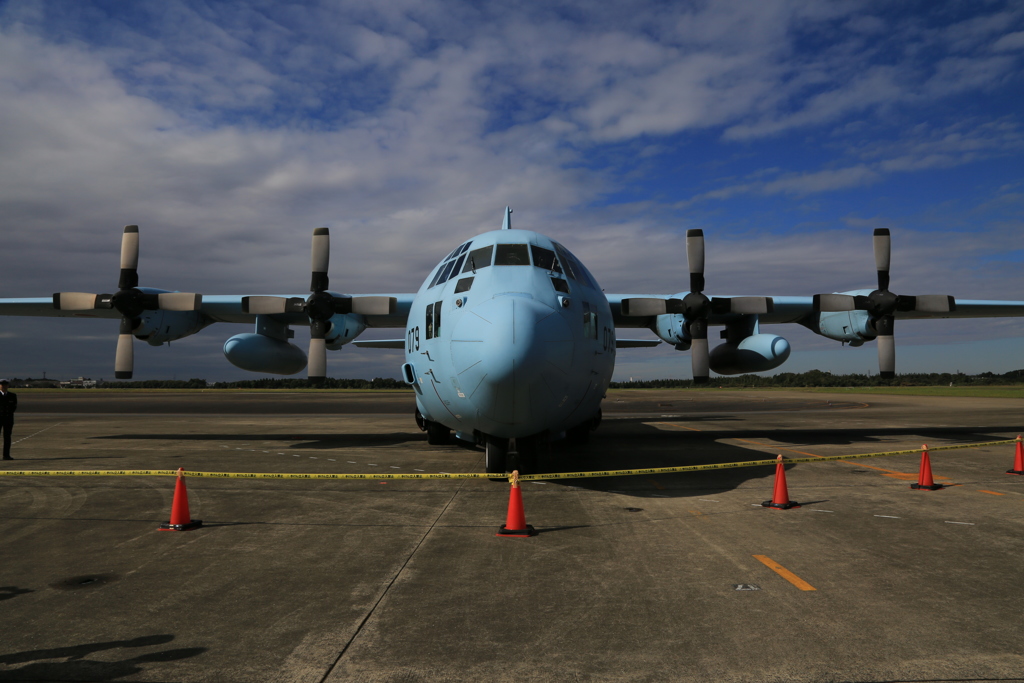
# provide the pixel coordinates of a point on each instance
(511, 355)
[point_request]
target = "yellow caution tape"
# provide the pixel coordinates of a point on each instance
(480, 475)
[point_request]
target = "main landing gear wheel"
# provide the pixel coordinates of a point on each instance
(578, 435)
(530, 450)
(437, 433)
(495, 457)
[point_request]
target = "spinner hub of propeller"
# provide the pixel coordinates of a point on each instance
(696, 305)
(320, 306)
(882, 302)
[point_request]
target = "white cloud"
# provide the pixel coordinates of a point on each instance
(1009, 42)
(228, 132)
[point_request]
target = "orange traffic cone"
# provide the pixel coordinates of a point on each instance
(1018, 461)
(780, 497)
(924, 477)
(515, 522)
(181, 520)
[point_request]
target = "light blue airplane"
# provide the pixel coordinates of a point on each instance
(510, 341)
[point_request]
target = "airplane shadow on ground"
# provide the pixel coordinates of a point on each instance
(627, 444)
(38, 665)
(646, 448)
(291, 441)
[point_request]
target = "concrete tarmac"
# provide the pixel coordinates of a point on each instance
(680, 577)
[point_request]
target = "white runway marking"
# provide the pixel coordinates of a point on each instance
(25, 438)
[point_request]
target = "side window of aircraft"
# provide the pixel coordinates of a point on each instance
(511, 255)
(589, 322)
(463, 285)
(478, 258)
(545, 258)
(560, 285)
(432, 324)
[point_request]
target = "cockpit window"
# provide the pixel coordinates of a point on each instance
(451, 267)
(478, 258)
(511, 255)
(566, 258)
(573, 268)
(545, 258)
(446, 272)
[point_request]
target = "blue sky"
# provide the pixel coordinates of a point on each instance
(786, 129)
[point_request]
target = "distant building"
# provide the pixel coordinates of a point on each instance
(79, 383)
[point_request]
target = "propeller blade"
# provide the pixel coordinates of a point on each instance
(745, 305)
(374, 305)
(317, 368)
(885, 326)
(695, 259)
(644, 307)
(887, 356)
(129, 257)
(933, 303)
(320, 261)
(883, 246)
(264, 305)
(830, 303)
(699, 355)
(179, 301)
(124, 360)
(74, 301)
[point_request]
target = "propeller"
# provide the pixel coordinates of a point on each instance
(129, 301)
(881, 304)
(696, 307)
(320, 306)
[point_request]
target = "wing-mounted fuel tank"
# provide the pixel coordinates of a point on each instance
(267, 349)
(756, 353)
(746, 349)
(259, 353)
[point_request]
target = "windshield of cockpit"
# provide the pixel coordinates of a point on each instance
(464, 260)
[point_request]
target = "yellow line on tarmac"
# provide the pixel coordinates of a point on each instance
(784, 573)
(673, 425)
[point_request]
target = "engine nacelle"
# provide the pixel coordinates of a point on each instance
(344, 328)
(756, 353)
(158, 327)
(259, 353)
(851, 327)
(671, 328)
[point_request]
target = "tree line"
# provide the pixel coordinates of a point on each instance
(818, 378)
(812, 378)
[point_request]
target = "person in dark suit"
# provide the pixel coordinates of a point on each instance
(8, 404)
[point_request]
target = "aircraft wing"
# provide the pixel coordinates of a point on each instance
(215, 308)
(792, 309)
(43, 307)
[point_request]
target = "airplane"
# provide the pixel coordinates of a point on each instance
(510, 341)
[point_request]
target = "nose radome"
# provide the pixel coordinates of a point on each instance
(511, 354)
